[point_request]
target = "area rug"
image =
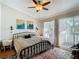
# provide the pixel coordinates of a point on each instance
(55, 53)
(46, 55)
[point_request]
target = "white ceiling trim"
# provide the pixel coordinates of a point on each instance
(67, 13)
(59, 7)
(26, 13)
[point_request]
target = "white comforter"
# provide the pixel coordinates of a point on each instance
(21, 43)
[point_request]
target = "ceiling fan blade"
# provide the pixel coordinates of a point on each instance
(45, 8)
(34, 1)
(44, 4)
(31, 7)
(39, 2)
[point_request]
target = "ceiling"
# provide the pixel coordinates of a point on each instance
(56, 7)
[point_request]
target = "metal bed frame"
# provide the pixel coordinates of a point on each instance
(33, 50)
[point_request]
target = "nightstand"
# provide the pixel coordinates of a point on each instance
(7, 44)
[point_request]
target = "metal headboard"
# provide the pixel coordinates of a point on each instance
(16, 35)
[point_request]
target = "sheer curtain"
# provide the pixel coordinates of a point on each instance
(49, 31)
(69, 31)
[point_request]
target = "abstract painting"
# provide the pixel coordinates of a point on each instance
(30, 25)
(20, 24)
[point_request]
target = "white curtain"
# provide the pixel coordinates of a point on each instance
(69, 31)
(49, 31)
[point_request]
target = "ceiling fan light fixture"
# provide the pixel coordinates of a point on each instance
(39, 7)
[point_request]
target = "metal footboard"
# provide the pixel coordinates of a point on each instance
(35, 49)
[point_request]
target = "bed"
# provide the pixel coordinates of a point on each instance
(27, 45)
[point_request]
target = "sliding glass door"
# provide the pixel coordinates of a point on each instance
(69, 31)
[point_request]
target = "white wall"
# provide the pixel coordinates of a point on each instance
(9, 16)
(40, 25)
(0, 21)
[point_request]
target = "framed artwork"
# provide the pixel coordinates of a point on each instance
(20, 24)
(30, 25)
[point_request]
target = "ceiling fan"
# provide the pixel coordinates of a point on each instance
(39, 6)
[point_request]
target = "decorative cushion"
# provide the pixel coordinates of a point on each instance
(27, 36)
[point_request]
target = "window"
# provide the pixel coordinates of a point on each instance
(49, 30)
(76, 29)
(69, 31)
